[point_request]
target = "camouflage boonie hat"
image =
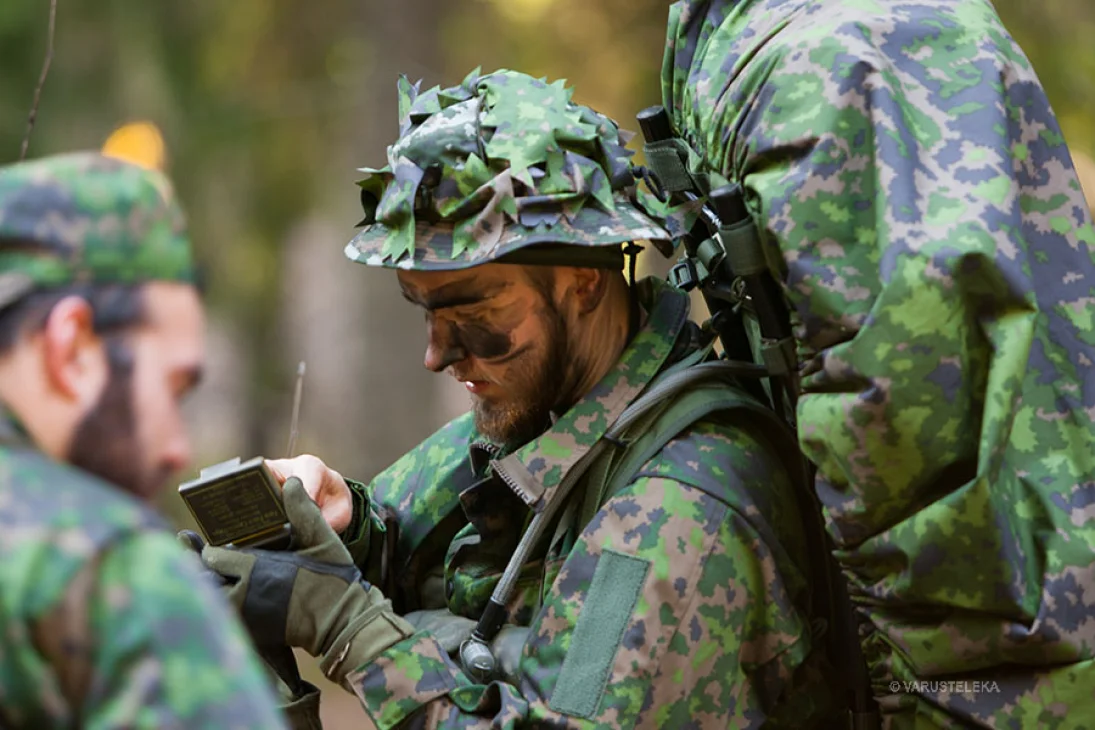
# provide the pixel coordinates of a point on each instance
(504, 162)
(85, 217)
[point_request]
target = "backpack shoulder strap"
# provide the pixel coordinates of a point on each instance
(667, 423)
(679, 398)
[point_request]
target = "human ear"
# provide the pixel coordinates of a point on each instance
(74, 356)
(589, 287)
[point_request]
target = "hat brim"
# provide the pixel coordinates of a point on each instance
(434, 242)
(14, 285)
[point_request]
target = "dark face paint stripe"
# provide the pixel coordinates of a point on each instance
(513, 355)
(482, 341)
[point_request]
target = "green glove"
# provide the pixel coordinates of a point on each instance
(278, 657)
(452, 630)
(311, 596)
(507, 648)
(449, 629)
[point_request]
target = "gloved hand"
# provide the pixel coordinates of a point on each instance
(452, 630)
(311, 596)
(449, 629)
(193, 542)
(507, 648)
(276, 655)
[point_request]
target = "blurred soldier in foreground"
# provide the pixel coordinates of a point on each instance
(920, 207)
(654, 573)
(105, 622)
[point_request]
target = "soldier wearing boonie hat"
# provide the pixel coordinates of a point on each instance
(587, 544)
(100, 336)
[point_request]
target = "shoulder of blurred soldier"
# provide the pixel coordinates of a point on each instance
(103, 617)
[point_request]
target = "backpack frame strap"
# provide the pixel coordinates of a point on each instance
(662, 424)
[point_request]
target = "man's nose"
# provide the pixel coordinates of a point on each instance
(443, 347)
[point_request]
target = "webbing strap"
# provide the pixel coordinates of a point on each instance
(743, 249)
(669, 424)
(668, 159)
(779, 356)
(710, 253)
(650, 407)
(679, 396)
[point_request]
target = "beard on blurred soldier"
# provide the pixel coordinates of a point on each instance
(105, 441)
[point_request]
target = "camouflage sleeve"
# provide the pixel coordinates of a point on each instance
(673, 609)
(358, 535)
(923, 206)
(147, 642)
(370, 537)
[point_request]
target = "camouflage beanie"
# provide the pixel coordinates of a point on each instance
(85, 217)
(503, 167)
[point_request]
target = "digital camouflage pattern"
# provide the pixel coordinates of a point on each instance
(105, 622)
(97, 218)
(920, 205)
(712, 633)
(499, 163)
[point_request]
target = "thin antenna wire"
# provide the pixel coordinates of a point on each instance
(291, 449)
(41, 79)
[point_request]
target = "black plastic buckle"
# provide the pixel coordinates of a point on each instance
(684, 275)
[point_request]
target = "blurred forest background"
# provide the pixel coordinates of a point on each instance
(266, 109)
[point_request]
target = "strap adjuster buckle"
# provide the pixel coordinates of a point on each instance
(684, 275)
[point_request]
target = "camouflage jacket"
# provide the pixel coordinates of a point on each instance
(105, 622)
(922, 209)
(678, 604)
